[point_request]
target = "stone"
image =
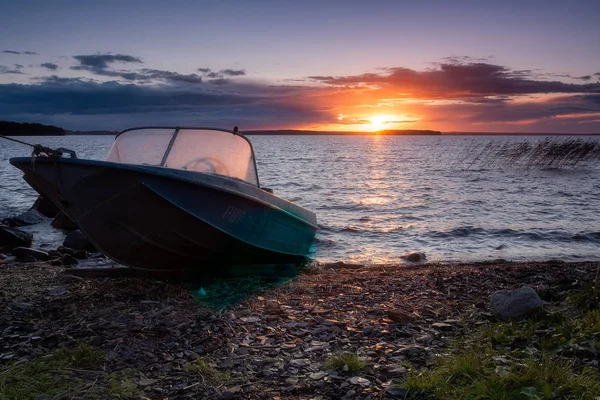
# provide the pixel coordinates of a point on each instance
(22, 305)
(76, 240)
(317, 375)
(397, 393)
(57, 291)
(68, 259)
(30, 217)
(516, 304)
(11, 238)
(359, 380)
(23, 253)
(396, 371)
(425, 339)
(413, 256)
(80, 254)
(45, 207)
(147, 382)
(54, 254)
(62, 221)
(400, 316)
(442, 326)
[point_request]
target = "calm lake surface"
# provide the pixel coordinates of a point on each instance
(377, 197)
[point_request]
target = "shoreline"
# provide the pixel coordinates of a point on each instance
(159, 339)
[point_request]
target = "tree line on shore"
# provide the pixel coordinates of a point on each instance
(9, 128)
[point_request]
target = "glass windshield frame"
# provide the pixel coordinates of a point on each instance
(175, 131)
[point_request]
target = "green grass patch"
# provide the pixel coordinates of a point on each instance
(544, 358)
(588, 297)
(55, 375)
(210, 375)
(348, 363)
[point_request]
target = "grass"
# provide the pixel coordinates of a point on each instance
(348, 363)
(54, 376)
(543, 358)
(210, 375)
(587, 298)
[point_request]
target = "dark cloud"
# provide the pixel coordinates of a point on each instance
(456, 81)
(219, 81)
(233, 72)
(98, 65)
(5, 70)
(218, 76)
(77, 103)
(592, 98)
(142, 75)
(19, 52)
(19, 66)
(597, 74)
(585, 77)
(150, 74)
(50, 66)
(101, 61)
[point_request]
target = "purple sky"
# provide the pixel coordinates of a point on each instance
(512, 66)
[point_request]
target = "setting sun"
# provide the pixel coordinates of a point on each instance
(379, 122)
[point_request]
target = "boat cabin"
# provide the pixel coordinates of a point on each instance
(206, 150)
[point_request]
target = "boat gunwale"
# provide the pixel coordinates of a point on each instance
(168, 172)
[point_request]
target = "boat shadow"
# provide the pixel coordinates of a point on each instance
(224, 287)
(239, 283)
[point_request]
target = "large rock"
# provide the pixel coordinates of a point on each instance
(11, 238)
(23, 253)
(45, 207)
(77, 241)
(30, 217)
(63, 222)
(414, 256)
(516, 304)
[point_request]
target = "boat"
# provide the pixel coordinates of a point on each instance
(175, 199)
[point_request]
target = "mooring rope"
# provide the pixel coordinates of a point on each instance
(43, 151)
(17, 141)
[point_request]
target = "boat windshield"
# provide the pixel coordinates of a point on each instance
(193, 149)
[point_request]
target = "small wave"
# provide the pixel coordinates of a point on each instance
(521, 235)
(324, 243)
(343, 207)
(457, 232)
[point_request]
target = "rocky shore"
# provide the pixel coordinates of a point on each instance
(334, 331)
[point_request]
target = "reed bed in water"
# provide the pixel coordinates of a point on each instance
(546, 153)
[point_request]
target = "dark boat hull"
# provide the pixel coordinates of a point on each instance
(167, 220)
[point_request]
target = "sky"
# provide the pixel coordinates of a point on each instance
(468, 66)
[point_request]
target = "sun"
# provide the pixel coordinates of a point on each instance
(378, 122)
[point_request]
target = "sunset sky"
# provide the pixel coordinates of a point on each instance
(477, 66)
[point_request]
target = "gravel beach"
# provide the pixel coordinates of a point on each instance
(164, 340)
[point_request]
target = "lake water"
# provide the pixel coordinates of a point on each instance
(377, 197)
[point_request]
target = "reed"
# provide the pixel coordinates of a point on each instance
(546, 153)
